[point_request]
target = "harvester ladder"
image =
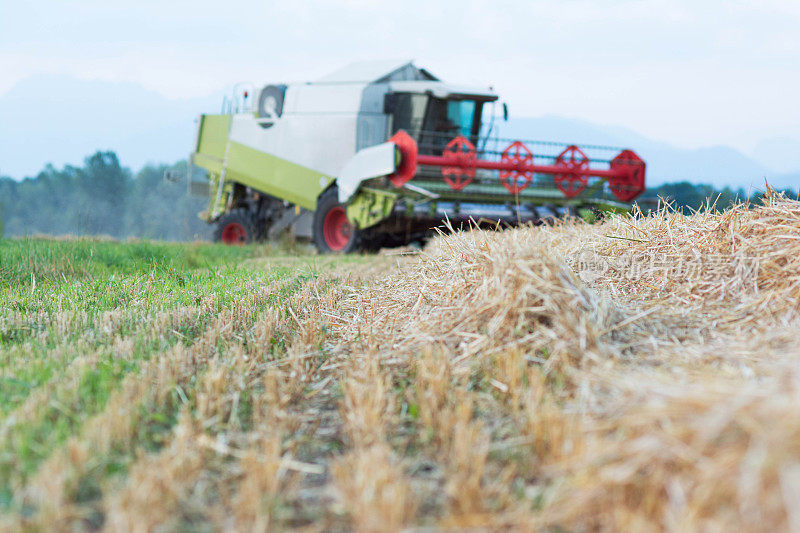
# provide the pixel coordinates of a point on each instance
(223, 172)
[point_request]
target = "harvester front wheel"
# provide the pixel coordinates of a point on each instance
(235, 227)
(333, 233)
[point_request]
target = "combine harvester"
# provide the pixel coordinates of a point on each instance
(378, 154)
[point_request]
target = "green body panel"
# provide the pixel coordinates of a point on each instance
(216, 204)
(370, 206)
(253, 168)
(275, 176)
(213, 134)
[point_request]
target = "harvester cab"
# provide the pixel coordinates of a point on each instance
(380, 153)
(431, 112)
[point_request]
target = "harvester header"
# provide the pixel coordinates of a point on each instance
(570, 170)
(380, 153)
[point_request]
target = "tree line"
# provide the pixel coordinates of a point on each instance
(101, 197)
(104, 198)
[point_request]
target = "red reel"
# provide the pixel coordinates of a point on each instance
(408, 158)
(632, 168)
(515, 181)
(572, 181)
(463, 153)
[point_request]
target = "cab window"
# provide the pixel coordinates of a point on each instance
(452, 117)
(409, 113)
(462, 114)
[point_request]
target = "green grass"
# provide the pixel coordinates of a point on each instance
(34, 260)
(105, 346)
(64, 299)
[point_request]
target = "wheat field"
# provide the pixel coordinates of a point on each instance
(637, 374)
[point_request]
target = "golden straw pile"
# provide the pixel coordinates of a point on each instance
(640, 373)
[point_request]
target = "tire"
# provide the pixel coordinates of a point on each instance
(271, 100)
(236, 227)
(332, 233)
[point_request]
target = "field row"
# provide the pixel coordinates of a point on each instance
(616, 376)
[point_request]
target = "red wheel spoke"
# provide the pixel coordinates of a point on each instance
(465, 153)
(631, 184)
(518, 154)
(573, 180)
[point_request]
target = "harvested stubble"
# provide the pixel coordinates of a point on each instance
(639, 373)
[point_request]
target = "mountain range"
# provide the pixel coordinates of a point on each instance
(60, 120)
(717, 165)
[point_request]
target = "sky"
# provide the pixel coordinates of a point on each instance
(694, 73)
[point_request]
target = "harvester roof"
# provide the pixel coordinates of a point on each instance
(403, 77)
(378, 72)
(442, 90)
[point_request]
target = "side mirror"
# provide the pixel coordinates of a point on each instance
(389, 103)
(172, 176)
(505, 112)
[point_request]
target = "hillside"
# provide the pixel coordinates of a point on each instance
(719, 165)
(58, 120)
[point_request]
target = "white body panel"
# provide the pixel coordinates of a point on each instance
(317, 128)
(324, 124)
(368, 163)
(324, 98)
(321, 143)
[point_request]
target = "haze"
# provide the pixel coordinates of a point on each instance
(695, 75)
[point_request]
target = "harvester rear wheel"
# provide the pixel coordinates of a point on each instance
(333, 233)
(235, 227)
